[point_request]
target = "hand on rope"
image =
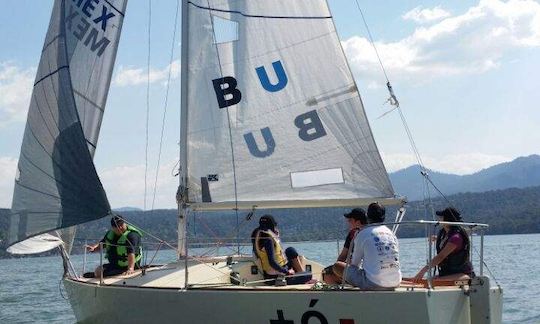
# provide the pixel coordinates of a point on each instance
(91, 248)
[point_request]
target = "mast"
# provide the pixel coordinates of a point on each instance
(182, 193)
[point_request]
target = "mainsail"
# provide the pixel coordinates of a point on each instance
(57, 185)
(274, 117)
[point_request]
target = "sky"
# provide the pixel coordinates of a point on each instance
(465, 73)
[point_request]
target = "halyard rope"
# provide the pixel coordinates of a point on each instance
(165, 104)
(147, 101)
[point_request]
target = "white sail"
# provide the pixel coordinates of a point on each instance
(274, 115)
(36, 244)
(57, 185)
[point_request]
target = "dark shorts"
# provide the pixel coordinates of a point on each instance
(291, 253)
(299, 278)
(113, 270)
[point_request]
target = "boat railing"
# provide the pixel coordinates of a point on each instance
(215, 245)
(430, 226)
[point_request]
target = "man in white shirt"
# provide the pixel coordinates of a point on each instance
(375, 258)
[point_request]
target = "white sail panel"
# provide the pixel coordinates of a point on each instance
(57, 185)
(279, 101)
(37, 244)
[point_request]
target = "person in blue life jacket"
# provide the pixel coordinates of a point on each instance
(356, 219)
(453, 250)
(275, 261)
(122, 247)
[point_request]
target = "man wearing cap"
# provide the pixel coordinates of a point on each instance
(122, 249)
(453, 249)
(375, 257)
(274, 261)
(356, 219)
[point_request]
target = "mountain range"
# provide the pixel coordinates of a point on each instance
(520, 173)
(506, 196)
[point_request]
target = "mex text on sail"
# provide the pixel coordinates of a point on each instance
(88, 21)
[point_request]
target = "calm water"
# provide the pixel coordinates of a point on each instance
(30, 290)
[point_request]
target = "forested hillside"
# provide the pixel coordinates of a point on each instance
(510, 211)
(522, 172)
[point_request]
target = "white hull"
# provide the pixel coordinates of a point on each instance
(121, 302)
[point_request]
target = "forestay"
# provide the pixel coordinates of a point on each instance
(56, 184)
(274, 115)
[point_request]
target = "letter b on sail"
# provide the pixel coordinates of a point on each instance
(254, 148)
(226, 92)
(310, 126)
(265, 81)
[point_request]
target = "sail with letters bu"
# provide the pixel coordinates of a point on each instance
(273, 117)
(56, 184)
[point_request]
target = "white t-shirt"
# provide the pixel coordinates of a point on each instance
(376, 250)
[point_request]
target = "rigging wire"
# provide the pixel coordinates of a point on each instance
(393, 101)
(233, 162)
(424, 172)
(488, 269)
(166, 103)
(147, 101)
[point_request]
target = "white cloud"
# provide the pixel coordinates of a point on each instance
(15, 92)
(421, 16)
(125, 186)
(463, 163)
(136, 76)
(473, 42)
(8, 166)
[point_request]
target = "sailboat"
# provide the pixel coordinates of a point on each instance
(271, 118)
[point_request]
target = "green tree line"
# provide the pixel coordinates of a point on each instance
(509, 211)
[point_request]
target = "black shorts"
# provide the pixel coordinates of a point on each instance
(114, 270)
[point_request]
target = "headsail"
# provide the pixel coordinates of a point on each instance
(274, 115)
(57, 185)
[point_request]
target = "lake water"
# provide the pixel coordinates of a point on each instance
(31, 291)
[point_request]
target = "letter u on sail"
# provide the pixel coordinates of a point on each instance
(276, 66)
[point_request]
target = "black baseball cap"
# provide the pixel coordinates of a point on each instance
(117, 221)
(357, 214)
(449, 214)
(267, 222)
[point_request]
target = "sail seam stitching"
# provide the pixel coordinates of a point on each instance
(258, 16)
(48, 175)
(90, 101)
(49, 154)
(112, 6)
(50, 43)
(52, 73)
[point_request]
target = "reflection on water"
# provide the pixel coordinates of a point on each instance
(30, 290)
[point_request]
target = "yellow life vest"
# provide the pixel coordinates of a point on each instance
(279, 256)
